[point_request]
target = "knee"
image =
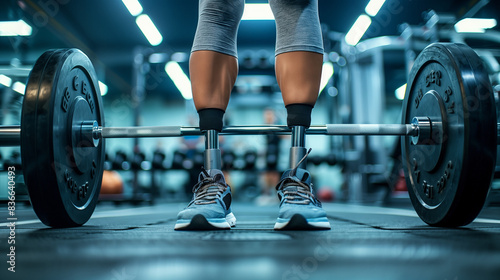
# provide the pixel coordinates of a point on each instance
(223, 12)
(297, 25)
(217, 27)
(287, 8)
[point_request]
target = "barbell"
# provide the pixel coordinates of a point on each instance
(448, 129)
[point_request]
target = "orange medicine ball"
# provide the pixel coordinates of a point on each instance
(112, 183)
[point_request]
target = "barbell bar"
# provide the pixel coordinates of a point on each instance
(328, 129)
(13, 132)
(10, 135)
(449, 135)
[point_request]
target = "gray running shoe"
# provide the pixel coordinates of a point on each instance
(299, 208)
(210, 208)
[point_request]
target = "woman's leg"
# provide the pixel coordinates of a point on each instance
(213, 69)
(299, 56)
(213, 65)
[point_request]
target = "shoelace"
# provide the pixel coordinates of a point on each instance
(207, 190)
(294, 190)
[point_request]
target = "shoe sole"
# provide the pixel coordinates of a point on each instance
(298, 222)
(199, 222)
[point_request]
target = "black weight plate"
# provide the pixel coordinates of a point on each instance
(62, 175)
(448, 181)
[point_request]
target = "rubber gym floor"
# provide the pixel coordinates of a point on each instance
(366, 242)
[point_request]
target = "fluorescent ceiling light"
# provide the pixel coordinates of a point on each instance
(180, 79)
(103, 88)
(257, 12)
(400, 92)
(326, 74)
(373, 7)
(133, 6)
(358, 29)
(180, 57)
(374, 43)
(6, 81)
(149, 29)
(475, 25)
(19, 87)
(15, 28)
(158, 58)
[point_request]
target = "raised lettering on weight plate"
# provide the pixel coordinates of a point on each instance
(81, 191)
(65, 100)
(428, 189)
(416, 171)
(441, 184)
(419, 97)
(434, 77)
(75, 83)
(91, 103)
(451, 108)
(447, 93)
(84, 88)
(88, 96)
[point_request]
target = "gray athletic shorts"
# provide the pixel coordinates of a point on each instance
(297, 26)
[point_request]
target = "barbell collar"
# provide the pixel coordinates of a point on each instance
(86, 134)
(424, 136)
